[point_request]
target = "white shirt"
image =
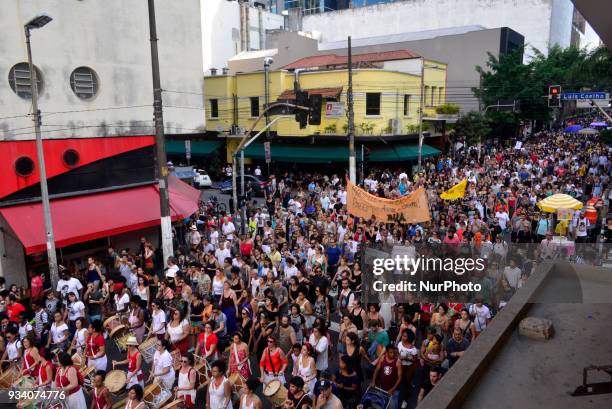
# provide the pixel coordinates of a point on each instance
(503, 219)
(222, 254)
(257, 172)
(23, 330)
(57, 332)
(321, 348)
(228, 230)
(172, 270)
(482, 314)
(405, 353)
(158, 324)
(12, 350)
(290, 271)
(162, 361)
(72, 285)
(122, 301)
(512, 275)
(342, 196)
(75, 309)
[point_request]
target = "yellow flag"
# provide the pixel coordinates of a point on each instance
(455, 192)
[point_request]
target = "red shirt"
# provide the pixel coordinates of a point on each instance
(246, 248)
(61, 379)
(37, 286)
(207, 341)
(94, 345)
(42, 372)
(12, 311)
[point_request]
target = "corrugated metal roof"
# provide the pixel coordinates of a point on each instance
(333, 59)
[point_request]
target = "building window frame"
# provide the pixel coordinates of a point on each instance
(254, 101)
(373, 104)
(433, 96)
(407, 104)
(214, 108)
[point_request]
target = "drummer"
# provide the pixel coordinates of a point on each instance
(207, 343)
(44, 372)
(31, 357)
(101, 398)
(187, 376)
(67, 381)
(158, 320)
(273, 363)
(80, 336)
(219, 394)
(162, 365)
(135, 395)
(95, 347)
(250, 400)
(239, 357)
(13, 349)
(135, 376)
(136, 318)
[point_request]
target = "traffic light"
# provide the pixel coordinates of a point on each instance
(316, 101)
(301, 115)
(554, 96)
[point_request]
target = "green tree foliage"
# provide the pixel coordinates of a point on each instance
(507, 78)
(473, 126)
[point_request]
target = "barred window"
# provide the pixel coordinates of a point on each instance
(84, 82)
(20, 80)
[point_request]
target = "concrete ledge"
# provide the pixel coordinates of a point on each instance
(457, 383)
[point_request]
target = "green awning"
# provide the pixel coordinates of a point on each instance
(317, 153)
(299, 153)
(396, 153)
(198, 148)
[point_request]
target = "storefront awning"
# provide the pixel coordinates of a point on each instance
(302, 153)
(324, 92)
(396, 153)
(198, 148)
(89, 217)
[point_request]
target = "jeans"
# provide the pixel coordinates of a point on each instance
(395, 400)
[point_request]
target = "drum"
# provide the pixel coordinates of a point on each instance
(88, 373)
(115, 381)
(55, 404)
(78, 360)
(275, 392)
(155, 395)
(24, 383)
(147, 349)
(176, 359)
(237, 383)
(26, 404)
(112, 322)
(9, 377)
(177, 404)
(202, 369)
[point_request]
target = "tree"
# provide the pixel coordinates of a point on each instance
(506, 78)
(473, 126)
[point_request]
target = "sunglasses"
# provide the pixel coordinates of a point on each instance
(185, 361)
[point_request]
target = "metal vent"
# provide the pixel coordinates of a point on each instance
(21, 82)
(84, 82)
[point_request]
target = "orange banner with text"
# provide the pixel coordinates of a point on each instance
(413, 208)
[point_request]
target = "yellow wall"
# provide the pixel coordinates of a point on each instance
(391, 84)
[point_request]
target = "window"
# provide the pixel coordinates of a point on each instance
(373, 103)
(425, 95)
(406, 105)
(71, 158)
(214, 108)
(441, 95)
(84, 82)
(24, 166)
(254, 107)
(433, 96)
(20, 81)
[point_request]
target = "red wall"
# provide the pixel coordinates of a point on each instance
(89, 149)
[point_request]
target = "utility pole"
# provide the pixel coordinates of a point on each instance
(421, 108)
(160, 143)
(351, 117)
(39, 22)
(267, 62)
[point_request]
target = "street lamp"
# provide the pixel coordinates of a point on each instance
(39, 22)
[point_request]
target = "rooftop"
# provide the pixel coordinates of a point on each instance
(332, 60)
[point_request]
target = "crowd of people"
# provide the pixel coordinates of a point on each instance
(276, 302)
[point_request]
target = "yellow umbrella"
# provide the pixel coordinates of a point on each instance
(559, 201)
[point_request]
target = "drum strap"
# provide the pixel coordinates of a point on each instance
(271, 362)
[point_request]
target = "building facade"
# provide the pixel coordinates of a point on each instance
(543, 23)
(231, 27)
(94, 65)
(386, 88)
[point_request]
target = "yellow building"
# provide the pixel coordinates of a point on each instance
(386, 91)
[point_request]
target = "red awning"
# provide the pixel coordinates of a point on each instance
(88, 217)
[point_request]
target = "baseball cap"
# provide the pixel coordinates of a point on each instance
(325, 384)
